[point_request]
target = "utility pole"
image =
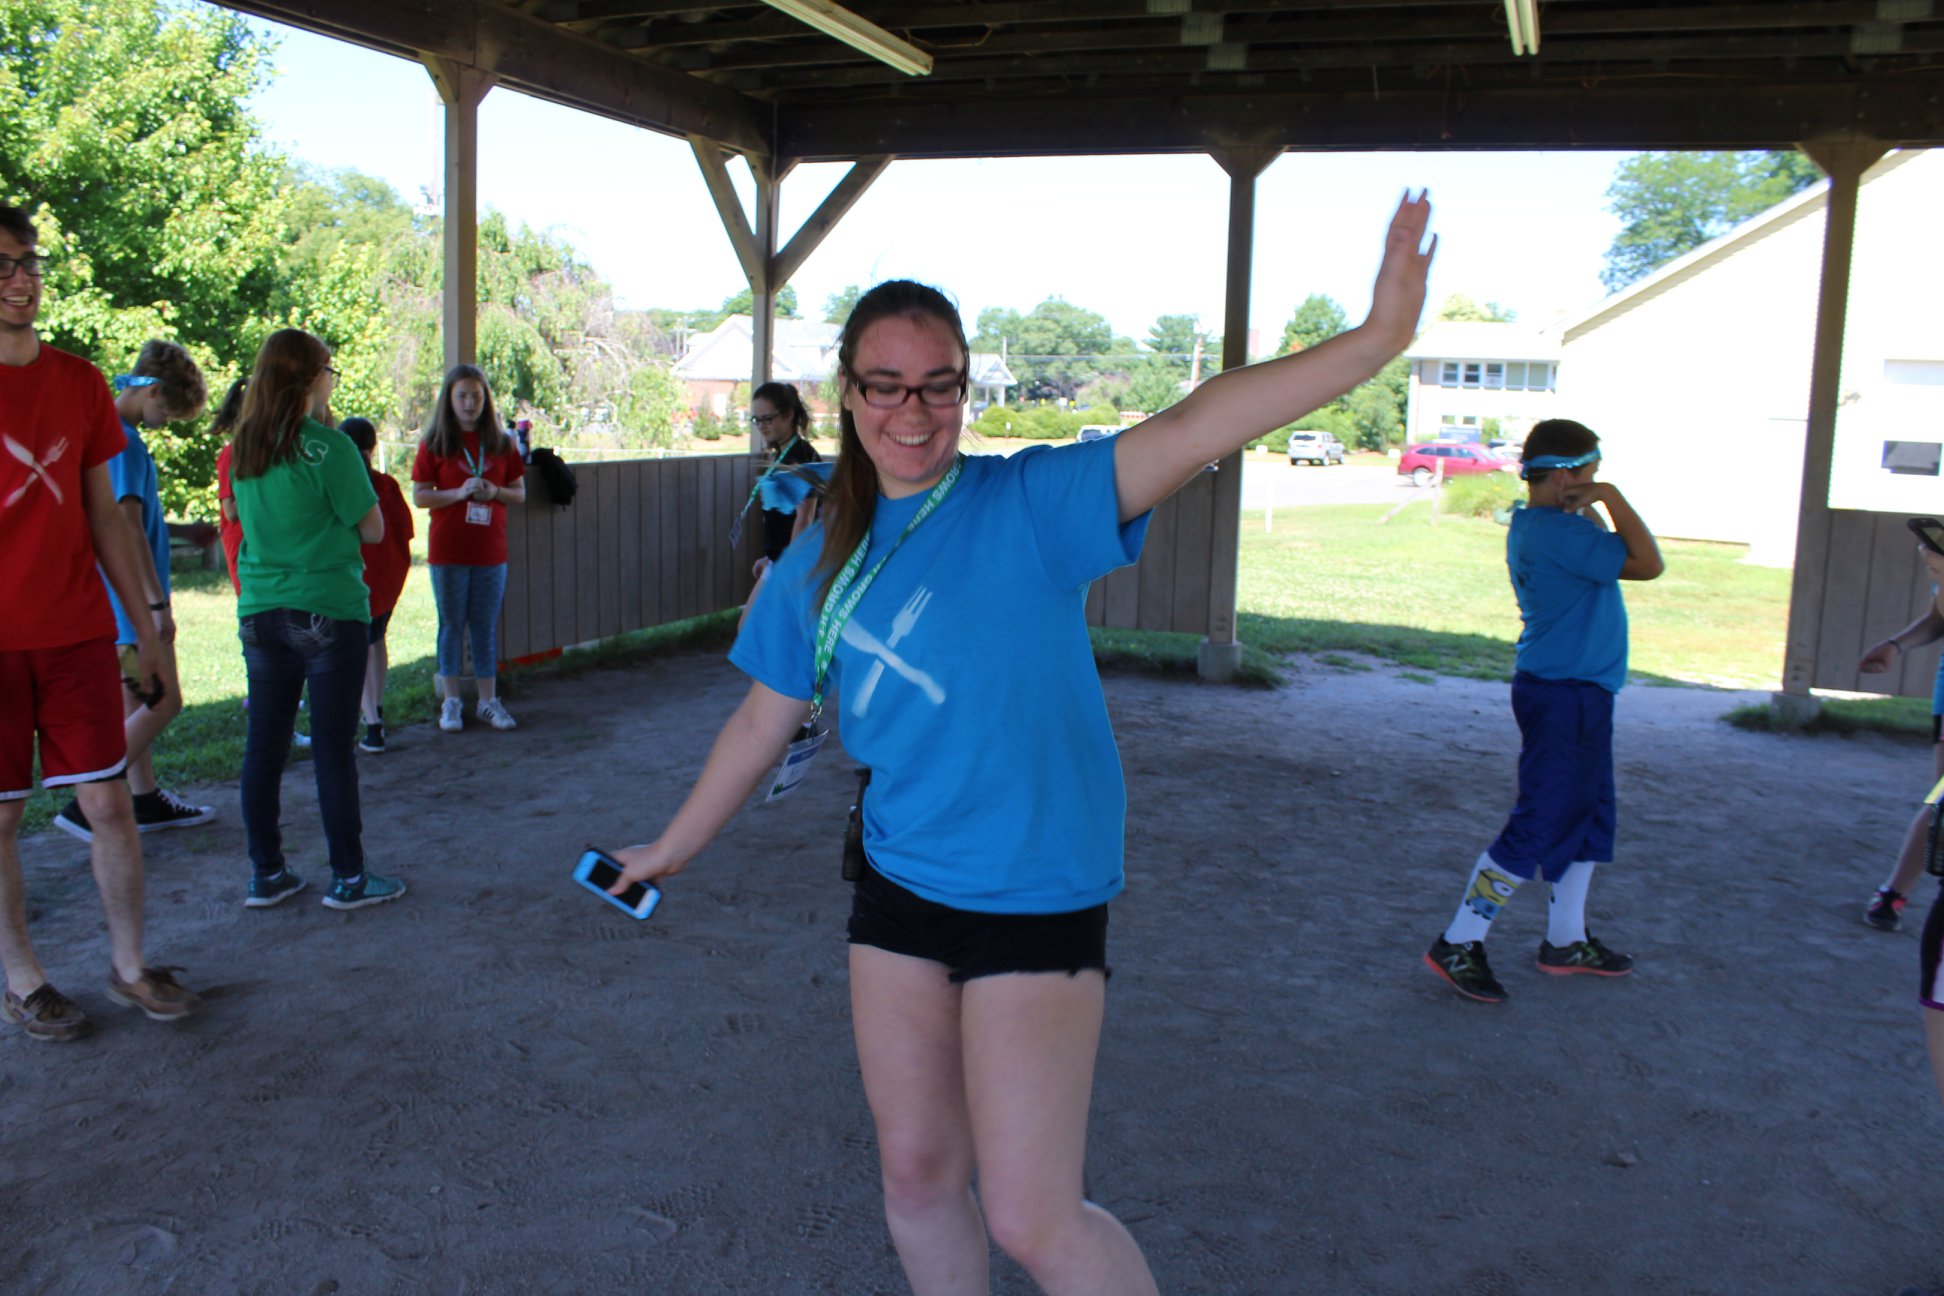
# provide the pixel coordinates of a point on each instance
(1194, 369)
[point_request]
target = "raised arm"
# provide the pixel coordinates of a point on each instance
(749, 744)
(1155, 459)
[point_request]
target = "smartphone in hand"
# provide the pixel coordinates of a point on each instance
(597, 871)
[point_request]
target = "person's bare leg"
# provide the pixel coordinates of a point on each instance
(1029, 1043)
(1910, 860)
(487, 686)
(143, 724)
(905, 1014)
(24, 972)
(373, 697)
(117, 858)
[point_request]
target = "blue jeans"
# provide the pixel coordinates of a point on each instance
(469, 600)
(284, 650)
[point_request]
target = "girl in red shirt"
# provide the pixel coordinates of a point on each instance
(467, 471)
(387, 563)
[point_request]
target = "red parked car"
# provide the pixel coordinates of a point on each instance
(1460, 459)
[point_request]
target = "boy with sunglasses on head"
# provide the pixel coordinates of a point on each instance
(163, 387)
(1572, 659)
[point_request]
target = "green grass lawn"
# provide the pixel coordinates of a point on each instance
(1434, 596)
(1336, 582)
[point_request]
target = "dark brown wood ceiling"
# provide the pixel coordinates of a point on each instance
(1117, 76)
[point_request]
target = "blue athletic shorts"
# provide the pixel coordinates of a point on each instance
(1565, 810)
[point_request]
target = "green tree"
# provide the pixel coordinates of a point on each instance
(1172, 339)
(123, 130)
(1376, 409)
(839, 305)
(744, 303)
(1051, 347)
(1460, 307)
(1318, 319)
(1672, 203)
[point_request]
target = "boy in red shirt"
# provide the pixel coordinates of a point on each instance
(58, 669)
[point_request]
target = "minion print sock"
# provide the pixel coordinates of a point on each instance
(1486, 891)
(1566, 913)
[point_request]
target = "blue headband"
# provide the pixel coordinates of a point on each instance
(124, 381)
(1548, 463)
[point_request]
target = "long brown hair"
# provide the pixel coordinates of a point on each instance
(445, 438)
(276, 401)
(851, 499)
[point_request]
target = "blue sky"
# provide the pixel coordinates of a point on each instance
(1130, 237)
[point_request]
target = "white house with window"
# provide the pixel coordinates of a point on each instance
(1465, 372)
(1697, 376)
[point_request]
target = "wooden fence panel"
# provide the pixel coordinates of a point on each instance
(1874, 584)
(611, 559)
(1194, 508)
(514, 635)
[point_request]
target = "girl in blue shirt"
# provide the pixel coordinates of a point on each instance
(941, 599)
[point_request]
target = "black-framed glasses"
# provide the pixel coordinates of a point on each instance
(333, 372)
(32, 266)
(939, 393)
(764, 420)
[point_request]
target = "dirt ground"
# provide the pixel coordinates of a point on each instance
(499, 1085)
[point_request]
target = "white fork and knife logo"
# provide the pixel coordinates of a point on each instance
(901, 625)
(36, 468)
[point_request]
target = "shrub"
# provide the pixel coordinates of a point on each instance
(1482, 495)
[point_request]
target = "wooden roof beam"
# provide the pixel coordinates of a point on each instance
(534, 57)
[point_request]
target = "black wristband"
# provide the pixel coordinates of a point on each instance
(163, 606)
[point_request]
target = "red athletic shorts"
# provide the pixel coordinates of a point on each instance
(72, 698)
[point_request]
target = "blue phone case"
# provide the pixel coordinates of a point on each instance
(594, 860)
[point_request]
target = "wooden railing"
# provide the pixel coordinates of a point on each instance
(1873, 585)
(646, 542)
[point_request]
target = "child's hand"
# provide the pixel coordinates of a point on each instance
(1577, 498)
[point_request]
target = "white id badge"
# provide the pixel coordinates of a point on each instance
(796, 763)
(479, 514)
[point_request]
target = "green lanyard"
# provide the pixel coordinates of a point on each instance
(838, 604)
(769, 473)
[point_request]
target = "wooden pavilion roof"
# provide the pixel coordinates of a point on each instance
(1036, 77)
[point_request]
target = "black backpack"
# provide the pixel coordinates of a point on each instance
(558, 474)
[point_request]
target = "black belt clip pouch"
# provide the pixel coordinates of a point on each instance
(854, 830)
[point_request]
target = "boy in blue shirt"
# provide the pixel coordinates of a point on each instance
(164, 386)
(1572, 659)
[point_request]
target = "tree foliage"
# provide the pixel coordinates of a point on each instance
(1672, 203)
(124, 129)
(839, 305)
(1050, 347)
(1318, 319)
(1460, 307)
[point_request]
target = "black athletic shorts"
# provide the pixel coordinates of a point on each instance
(888, 917)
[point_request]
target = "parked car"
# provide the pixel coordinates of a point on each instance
(1319, 448)
(1095, 431)
(1420, 462)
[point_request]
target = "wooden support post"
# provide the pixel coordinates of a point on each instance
(767, 269)
(1220, 656)
(1845, 163)
(461, 87)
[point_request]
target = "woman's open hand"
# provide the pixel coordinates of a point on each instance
(1397, 299)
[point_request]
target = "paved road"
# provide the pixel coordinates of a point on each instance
(1268, 480)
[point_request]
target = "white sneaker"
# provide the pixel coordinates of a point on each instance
(494, 713)
(452, 715)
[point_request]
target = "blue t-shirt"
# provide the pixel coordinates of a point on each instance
(133, 475)
(966, 682)
(1566, 574)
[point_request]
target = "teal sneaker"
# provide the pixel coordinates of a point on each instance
(274, 889)
(369, 889)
